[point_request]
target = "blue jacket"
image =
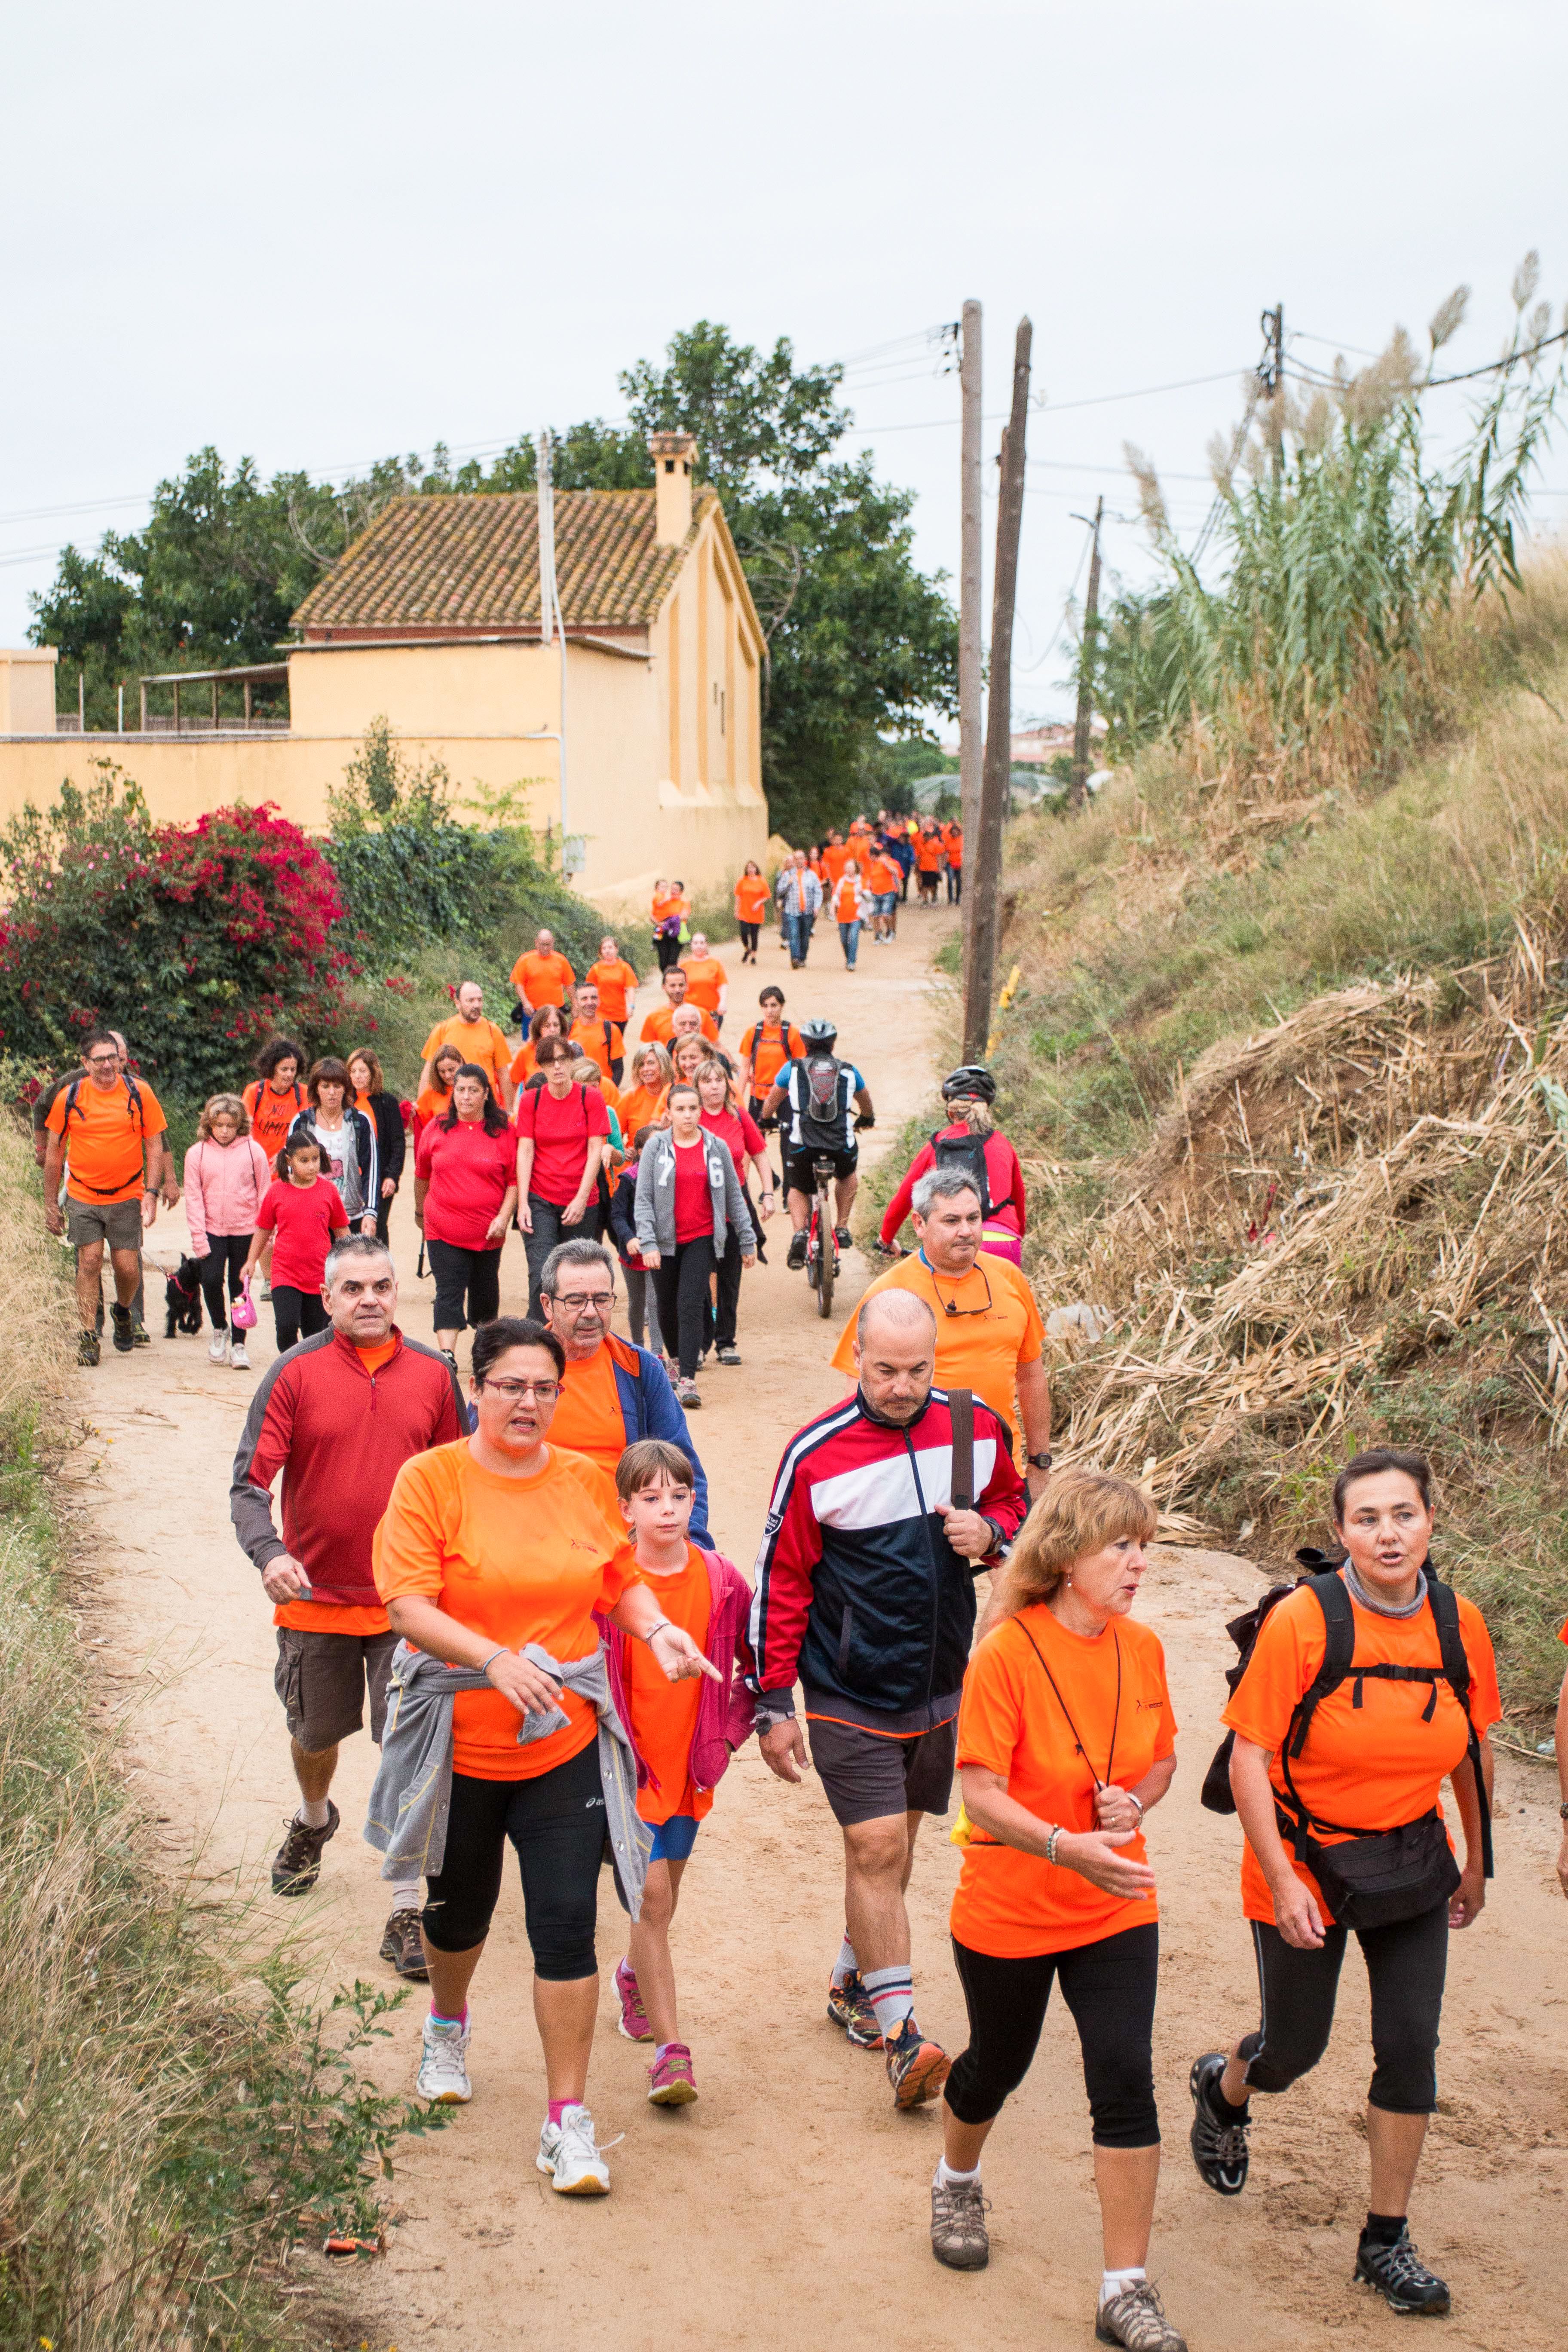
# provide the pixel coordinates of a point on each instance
(649, 1409)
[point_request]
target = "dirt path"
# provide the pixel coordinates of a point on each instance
(790, 2204)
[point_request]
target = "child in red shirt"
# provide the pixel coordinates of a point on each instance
(684, 1732)
(304, 1210)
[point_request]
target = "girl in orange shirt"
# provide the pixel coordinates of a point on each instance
(1065, 1741)
(752, 896)
(684, 1732)
(851, 907)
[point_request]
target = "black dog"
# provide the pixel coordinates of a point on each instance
(182, 1299)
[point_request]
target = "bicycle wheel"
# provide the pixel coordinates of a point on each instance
(828, 1264)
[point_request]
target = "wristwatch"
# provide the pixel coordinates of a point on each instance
(1038, 1461)
(1000, 1547)
(1563, 1813)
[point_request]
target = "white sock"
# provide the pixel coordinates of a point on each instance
(944, 2176)
(843, 1966)
(891, 1993)
(405, 1895)
(1112, 2282)
(314, 1811)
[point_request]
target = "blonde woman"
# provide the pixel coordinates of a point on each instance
(643, 1103)
(227, 1177)
(1065, 1741)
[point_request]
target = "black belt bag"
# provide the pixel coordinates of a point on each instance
(1374, 1880)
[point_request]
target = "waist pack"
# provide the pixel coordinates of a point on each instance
(1380, 1877)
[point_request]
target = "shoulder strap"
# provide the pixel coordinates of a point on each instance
(1339, 1653)
(961, 1407)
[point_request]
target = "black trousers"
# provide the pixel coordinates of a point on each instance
(749, 935)
(729, 1307)
(549, 1229)
(382, 1220)
(297, 1315)
(556, 1824)
(226, 1254)
(1110, 1987)
(668, 951)
(1405, 1965)
(469, 1278)
(680, 1287)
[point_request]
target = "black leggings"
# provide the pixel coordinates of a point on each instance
(1110, 1988)
(728, 1309)
(550, 1229)
(226, 1254)
(680, 1287)
(463, 1277)
(557, 1824)
(1406, 1967)
(749, 935)
(668, 951)
(296, 1314)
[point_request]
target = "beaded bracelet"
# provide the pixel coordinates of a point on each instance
(1051, 1843)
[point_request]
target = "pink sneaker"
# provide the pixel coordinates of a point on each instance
(670, 2081)
(633, 2022)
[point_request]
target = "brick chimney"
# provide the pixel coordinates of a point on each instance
(674, 457)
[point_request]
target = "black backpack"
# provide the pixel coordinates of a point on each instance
(820, 1120)
(967, 1152)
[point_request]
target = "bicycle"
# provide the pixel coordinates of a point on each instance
(822, 1264)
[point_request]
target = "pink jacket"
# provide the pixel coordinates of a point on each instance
(226, 1183)
(725, 1709)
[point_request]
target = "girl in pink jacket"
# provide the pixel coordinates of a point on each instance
(227, 1177)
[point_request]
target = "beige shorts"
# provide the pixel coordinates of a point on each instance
(118, 1222)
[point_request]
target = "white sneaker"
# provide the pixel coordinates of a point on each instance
(443, 2077)
(238, 1357)
(218, 1347)
(570, 2155)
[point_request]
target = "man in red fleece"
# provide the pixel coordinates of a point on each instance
(339, 1415)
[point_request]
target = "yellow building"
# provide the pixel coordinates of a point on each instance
(433, 618)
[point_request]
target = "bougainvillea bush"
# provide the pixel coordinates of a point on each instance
(196, 941)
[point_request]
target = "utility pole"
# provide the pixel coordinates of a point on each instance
(1077, 789)
(985, 868)
(550, 616)
(971, 678)
(1271, 376)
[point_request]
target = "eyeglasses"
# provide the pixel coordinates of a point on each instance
(950, 1306)
(103, 1061)
(543, 1391)
(579, 1301)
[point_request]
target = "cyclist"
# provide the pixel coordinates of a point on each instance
(970, 1140)
(819, 1103)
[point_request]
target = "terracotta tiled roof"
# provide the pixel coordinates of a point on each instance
(470, 561)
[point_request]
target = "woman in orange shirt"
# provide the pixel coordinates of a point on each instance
(550, 1021)
(645, 1104)
(615, 979)
(752, 896)
(437, 1099)
(1066, 1740)
(1352, 1774)
(274, 1098)
(669, 911)
(491, 1546)
(851, 907)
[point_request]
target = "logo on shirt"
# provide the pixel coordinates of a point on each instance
(592, 1802)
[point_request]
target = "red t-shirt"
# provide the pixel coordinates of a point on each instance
(560, 1130)
(304, 1217)
(740, 1131)
(467, 1172)
(693, 1201)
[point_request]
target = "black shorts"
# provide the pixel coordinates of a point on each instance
(556, 1823)
(867, 1776)
(322, 1680)
(800, 1169)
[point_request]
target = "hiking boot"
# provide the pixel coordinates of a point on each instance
(958, 2233)
(916, 2069)
(569, 2153)
(88, 1351)
(443, 2076)
(1402, 2278)
(796, 1257)
(688, 1395)
(120, 1317)
(670, 2081)
(633, 2020)
(140, 1335)
(218, 1347)
(730, 1355)
(849, 2005)
(1219, 2147)
(297, 1864)
(1136, 2318)
(403, 1945)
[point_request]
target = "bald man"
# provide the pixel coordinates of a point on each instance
(865, 1592)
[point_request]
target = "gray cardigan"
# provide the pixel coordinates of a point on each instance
(656, 1197)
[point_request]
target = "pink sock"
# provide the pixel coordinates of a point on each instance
(437, 2018)
(559, 2106)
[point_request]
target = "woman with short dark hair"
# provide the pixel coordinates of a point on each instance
(465, 1191)
(347, 1138)
(1365, 1689)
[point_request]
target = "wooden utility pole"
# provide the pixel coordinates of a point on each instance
(1077, 789)
(971, 675)
(985, 866)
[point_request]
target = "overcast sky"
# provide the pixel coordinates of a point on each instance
(318, 234)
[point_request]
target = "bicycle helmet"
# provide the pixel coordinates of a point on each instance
(969, 1085)
(822, 1033)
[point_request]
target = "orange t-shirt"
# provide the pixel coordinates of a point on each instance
(643, 1106)
(616, 985)
(543, 980)
(848, 907)
(516, 1560)
(1014, 1905)
(659, 1022)
(753, 898)
(432, 1104)
(480, 1042)
(588, 1418)
(835, 858)
(954, 840)
(666, 909)
(928, 853)
(103, 1143)
(272, 1114)
(661, 1716)
(705, 976)
(883, 875)
(590, 1035)
(362, 1618)
(980, 1350)
(763, 1047)
(1371, 1767)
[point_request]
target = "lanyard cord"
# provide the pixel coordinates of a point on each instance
(1061, 1702)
